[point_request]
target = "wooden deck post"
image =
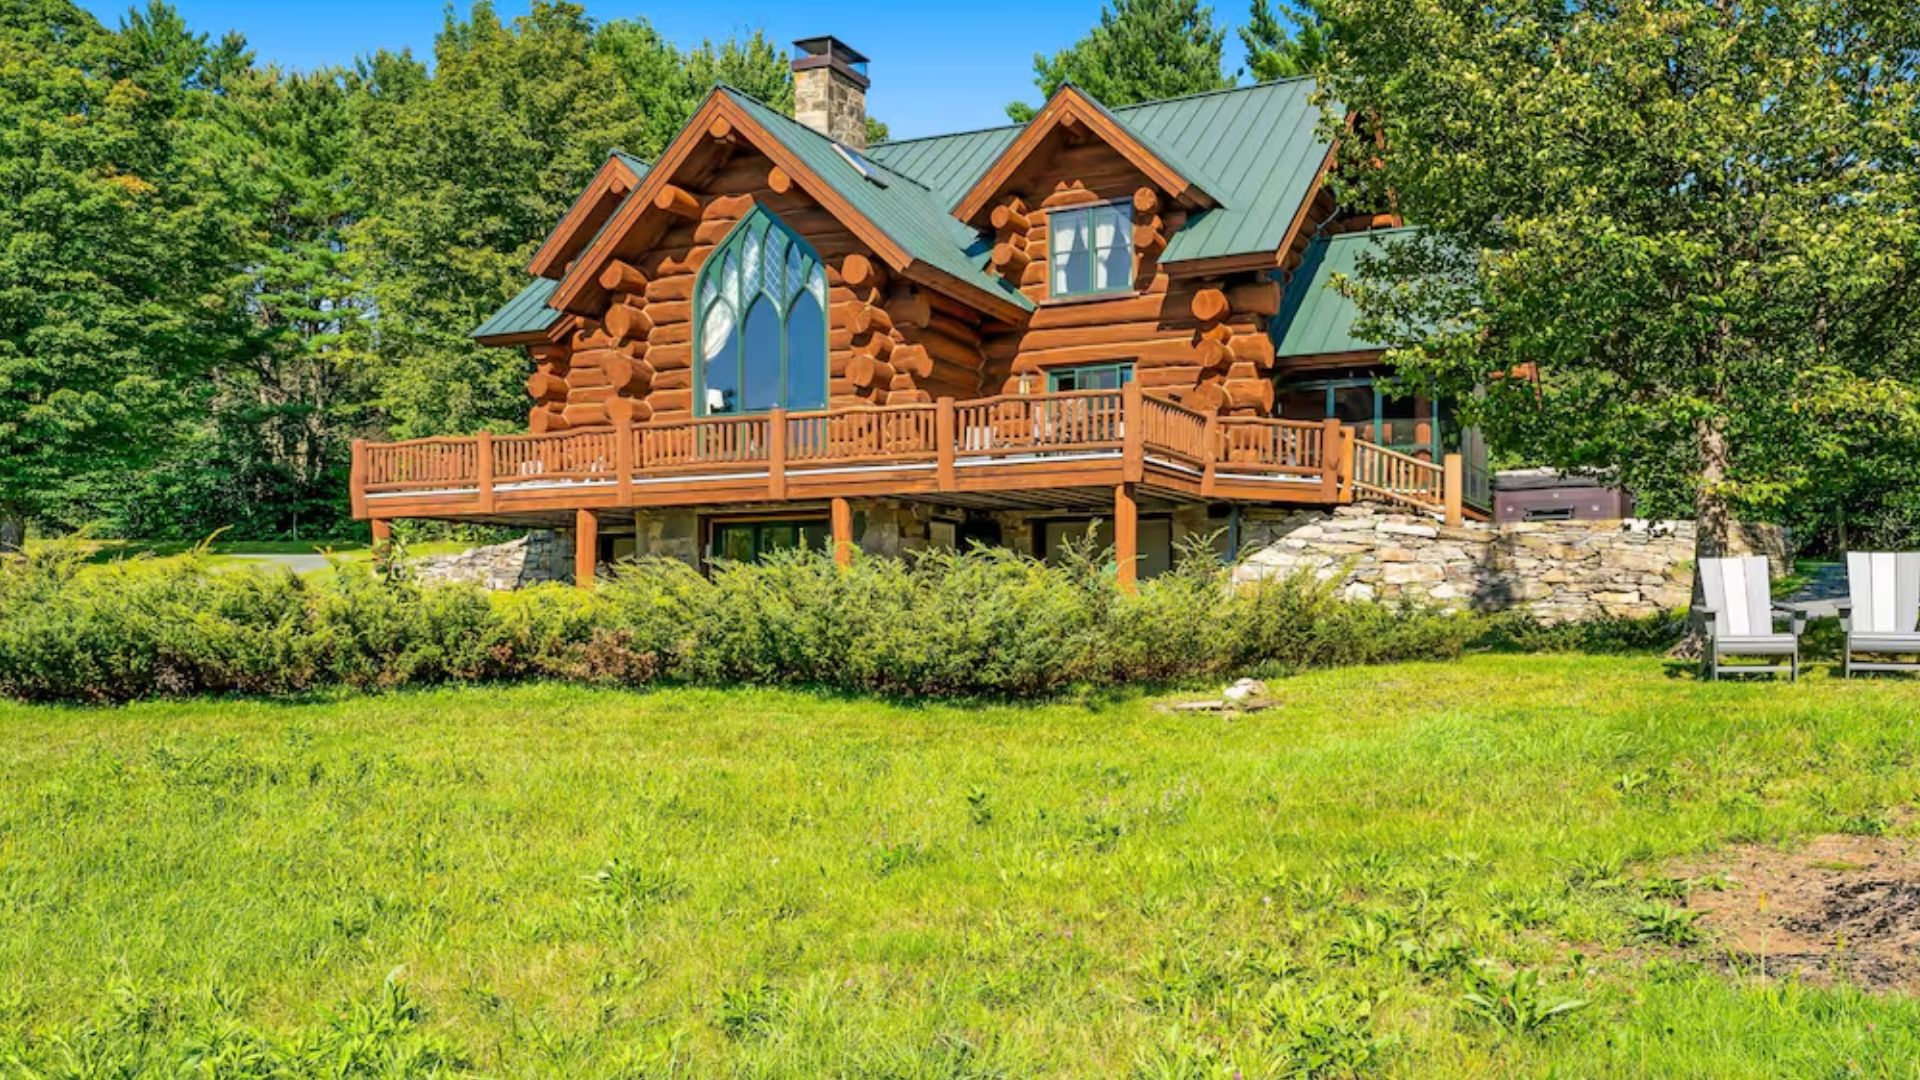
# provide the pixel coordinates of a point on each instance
(944, 438)
(1209, 454)
(357, 479)
(842, 519)
(1347, 451)
(382, 539)
(623, 460)
(1453, 488)
(1126, 536)
(777, 454)
(1333, 453)
(483, 466)
(586, 547)
(1133, 436)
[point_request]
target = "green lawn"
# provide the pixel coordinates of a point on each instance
(569, 882)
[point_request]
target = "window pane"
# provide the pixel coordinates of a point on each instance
(760, 358)
(806, 355)
(1113, 242)
(733, 542)
(1353, 404)
(815, 535)
(1064, 381)
(779, 536)
(1304, 403)
(1072, 262)
(723, 371)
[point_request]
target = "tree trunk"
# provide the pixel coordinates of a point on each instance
(13, 531)
(1712, 518)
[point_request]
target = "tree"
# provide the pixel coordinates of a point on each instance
(1286, 45)
(1696, 219)
(268, 451)
(119, 278)
(1141, 50)
(465, 171)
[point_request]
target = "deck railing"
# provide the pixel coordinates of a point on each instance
(1005, 430)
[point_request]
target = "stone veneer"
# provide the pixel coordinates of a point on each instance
(1555, 571)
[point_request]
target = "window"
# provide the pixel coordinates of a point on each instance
(1407, 424)
(762, 322)
(1090, 377)
(1091, 250)
(751, 541)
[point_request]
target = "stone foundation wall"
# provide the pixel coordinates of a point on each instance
(1555, 571)
(534, 559)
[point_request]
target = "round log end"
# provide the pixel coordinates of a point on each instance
(1209, 305)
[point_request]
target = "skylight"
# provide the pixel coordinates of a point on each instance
(861, 164)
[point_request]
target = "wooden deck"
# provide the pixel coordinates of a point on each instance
(1009, 451)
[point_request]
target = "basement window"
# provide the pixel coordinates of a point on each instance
(752, 541)
(1090, 250)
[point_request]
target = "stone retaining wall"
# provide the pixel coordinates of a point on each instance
(1556, 571)
(535, 558)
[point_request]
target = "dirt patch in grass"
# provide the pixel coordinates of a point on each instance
(1840, 908)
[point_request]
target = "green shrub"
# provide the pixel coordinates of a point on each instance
(980, 623)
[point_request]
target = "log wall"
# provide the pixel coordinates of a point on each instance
(1183, 342)
(887, 341)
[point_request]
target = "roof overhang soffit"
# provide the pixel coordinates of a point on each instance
(1070, 108)
(610, 184)
(708, 140)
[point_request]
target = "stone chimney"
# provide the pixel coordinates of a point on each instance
(830, 89)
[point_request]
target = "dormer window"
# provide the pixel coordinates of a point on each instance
(1090, 250)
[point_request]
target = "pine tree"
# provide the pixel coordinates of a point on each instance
(1286, 45)
(1140, 50)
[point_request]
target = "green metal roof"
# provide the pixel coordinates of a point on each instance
(1316, 318)
(638, 166)
(901, 206)
(1256, 149)
(948, 164)
(526, 313)
(1173, 159)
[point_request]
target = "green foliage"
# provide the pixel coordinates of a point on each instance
(1665, 923)
(987, 623)
(1140, 50)
(217, 273)
(1518, 1002)
(1292, 43)
(121, 278)
(1697, 220)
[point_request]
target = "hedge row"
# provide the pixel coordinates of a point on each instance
(985, 622)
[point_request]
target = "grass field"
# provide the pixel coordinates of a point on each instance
(1407, 870)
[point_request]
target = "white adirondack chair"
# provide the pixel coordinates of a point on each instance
(1739, 614)
(1880, 613)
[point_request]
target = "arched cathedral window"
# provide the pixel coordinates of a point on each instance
(761, 321)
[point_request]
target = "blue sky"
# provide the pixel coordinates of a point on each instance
(936, 68)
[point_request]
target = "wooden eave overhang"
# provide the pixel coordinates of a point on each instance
(718, 121)
(560, 331)
(1069, 105)
(610, 184)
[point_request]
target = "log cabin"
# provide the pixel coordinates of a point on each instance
(1116, 321)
